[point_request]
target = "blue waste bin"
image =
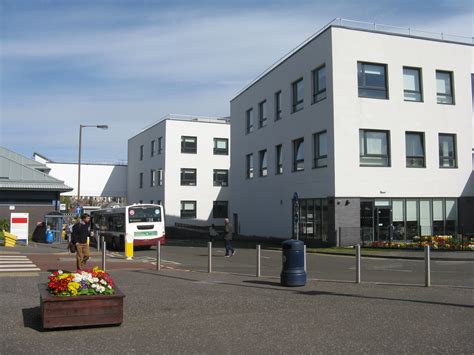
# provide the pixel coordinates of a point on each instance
(293, 273)
(49, 237)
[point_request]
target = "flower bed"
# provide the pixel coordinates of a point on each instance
(91, 282)
(441, 242)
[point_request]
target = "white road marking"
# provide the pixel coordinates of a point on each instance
(16, 263)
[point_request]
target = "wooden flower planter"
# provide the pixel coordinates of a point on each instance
(79, 311)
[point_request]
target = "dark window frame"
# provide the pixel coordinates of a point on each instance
(455, 151)
(220, 182)
(278, 106)
(249, 121)
(152, 178)
(361, 80)
(185, 181)
(249, 170)
(295, 103)
(262, 114)
(451, 83)
(186, 148)
(140, 181)
(413, 157)
(296, 161)
(142, 151)
(388, 156)
(159, 177)
(317, 91)
(152, 148)
(224, 206)
(160, 145)
(188, 214)
(420, 84)
(317, 157)
(262, 170)
(221, 151)
(278, 156)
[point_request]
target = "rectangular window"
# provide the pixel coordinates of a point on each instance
(372, 80)
(220, 209)
(249, 121)
(142, 150)
(221, 146)
(221, 177)
(160, 145)
(188, 209)
(298, 154)
(319, 84)
(160, 177)
(141, 181)
(444, 87)
(297, 95)
(262, 114)
(412, 88)
(249, 166)
(415, 149)
(447, 151)
(263, 166)
(320, 146)
(152, 178)
(277, 105)
(188, 145)
(188, 177)
(374, 148)
(153, 148)
(279, 159)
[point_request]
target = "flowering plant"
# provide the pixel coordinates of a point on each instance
(82, 282)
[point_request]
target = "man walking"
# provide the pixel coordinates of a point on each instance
(80, 232)
(229, 230)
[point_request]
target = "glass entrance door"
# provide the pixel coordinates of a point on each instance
(382, 223)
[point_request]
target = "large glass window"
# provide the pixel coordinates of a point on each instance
(451, 217)
(298, 154)
(221, 146)
(444, 87)
(188, 209)
(188, 177)
(160, 177)
(425, 217)
(188, 145)
(374, 148)
(262, 114)
(297, 95)
(447, 151)
(438, 217)
(249, 121)
(152, 178)
(153, 148)
(412, 218)
(220, 209)
(263, 166)
(320, 150)
(160, 145)
(398, 219)
(412, 89)
(221, 177)
(372, 80)
(249, 166)
(279, 159)
(277, 105)
(415, 149)
(319, 84)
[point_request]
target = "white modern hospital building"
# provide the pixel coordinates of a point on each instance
(182, 162)
(372, 127)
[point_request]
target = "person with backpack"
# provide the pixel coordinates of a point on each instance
(80, 233)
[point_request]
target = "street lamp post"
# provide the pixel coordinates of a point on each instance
(79, 160)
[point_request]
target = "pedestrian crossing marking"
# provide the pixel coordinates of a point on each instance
(16, 264)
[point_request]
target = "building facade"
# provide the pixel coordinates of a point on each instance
(373, 131)
(182, 162)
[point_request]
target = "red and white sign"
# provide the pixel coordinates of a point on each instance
(19, 226)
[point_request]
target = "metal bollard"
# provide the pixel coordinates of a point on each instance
(259, 266)
(209, 258)
(304, 256)
(158, 255)
(427, 267)
(358, 263)
(104, 247)
(98, 240)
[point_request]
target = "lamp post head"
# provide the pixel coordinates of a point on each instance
(103, 126)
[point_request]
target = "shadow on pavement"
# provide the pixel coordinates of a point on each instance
(32, 318)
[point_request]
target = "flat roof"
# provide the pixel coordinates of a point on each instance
(366, 27)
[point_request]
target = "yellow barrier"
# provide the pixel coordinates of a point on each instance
(10, 239)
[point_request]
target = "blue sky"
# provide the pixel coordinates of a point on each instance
(128, 63)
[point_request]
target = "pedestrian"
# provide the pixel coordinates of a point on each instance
(229, 230)
(80, 233)
(212, 233)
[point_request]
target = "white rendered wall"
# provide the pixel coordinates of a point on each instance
(172, 160)
(264, 203)
(353, 113)
(96, 180)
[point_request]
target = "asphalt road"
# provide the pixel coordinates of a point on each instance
(174, 311)
(179, 255)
